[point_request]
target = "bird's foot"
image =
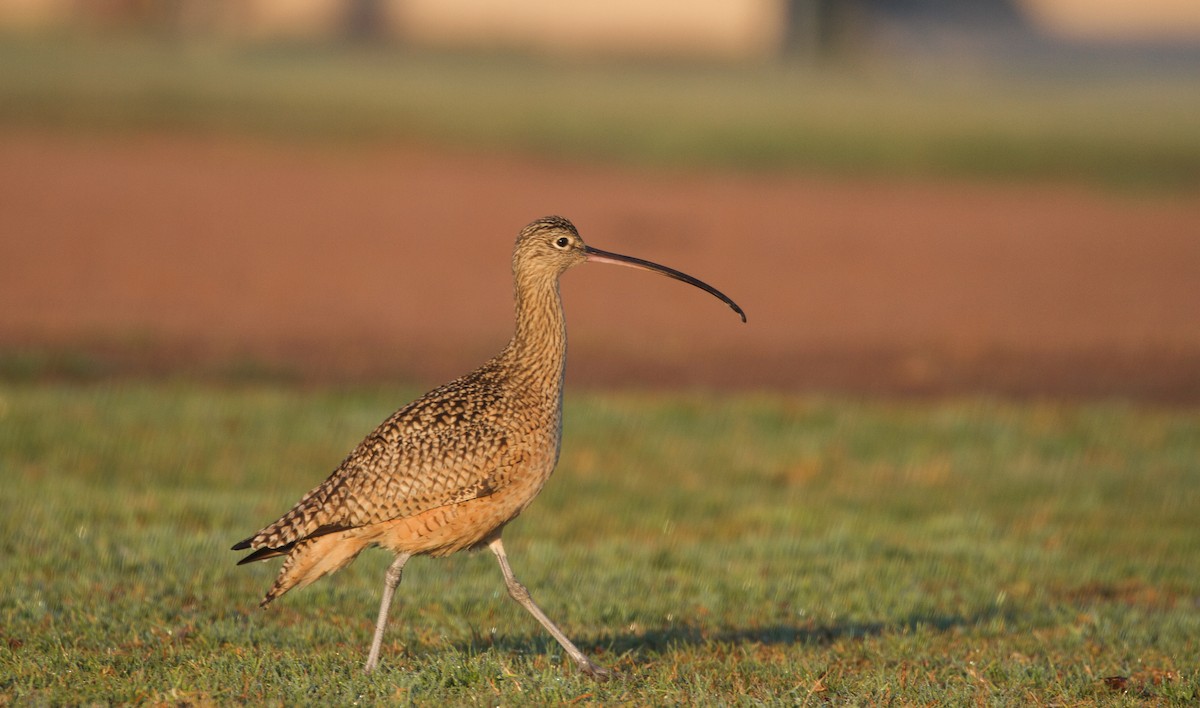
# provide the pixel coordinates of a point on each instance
(595, 671)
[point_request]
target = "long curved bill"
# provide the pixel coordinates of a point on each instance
(595, 255)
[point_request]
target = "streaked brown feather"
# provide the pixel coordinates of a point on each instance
(449, 469)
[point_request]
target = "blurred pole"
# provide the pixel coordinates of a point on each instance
(821, 30)
(364, 20)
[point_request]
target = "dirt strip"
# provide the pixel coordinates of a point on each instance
(162, 253)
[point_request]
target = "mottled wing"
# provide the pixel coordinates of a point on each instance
(443, 448)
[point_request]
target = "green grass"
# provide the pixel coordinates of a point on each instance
(711, 549)
(1114, 129)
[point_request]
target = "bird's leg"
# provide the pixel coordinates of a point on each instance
(521, 595)
(391, 580)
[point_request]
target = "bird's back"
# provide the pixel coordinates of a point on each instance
(438, 475)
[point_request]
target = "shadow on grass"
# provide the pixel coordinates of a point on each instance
(684, 635)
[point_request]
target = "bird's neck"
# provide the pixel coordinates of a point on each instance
(537, 354)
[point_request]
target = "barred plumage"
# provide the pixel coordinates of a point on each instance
(449, 470)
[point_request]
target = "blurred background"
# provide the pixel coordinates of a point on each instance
(953, 456)
(907, 197)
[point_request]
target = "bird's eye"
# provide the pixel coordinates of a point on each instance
(562, 242)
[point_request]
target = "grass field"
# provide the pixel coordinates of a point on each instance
(711, 549)
(1098, 127)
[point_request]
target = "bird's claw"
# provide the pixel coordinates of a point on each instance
(597, 672)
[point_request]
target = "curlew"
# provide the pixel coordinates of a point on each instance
(447, 472)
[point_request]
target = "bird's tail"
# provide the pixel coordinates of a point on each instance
(313, 558)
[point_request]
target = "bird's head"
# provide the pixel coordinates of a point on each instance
(548, 246)
(551, 245)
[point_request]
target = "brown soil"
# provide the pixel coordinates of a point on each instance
(174, 252)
